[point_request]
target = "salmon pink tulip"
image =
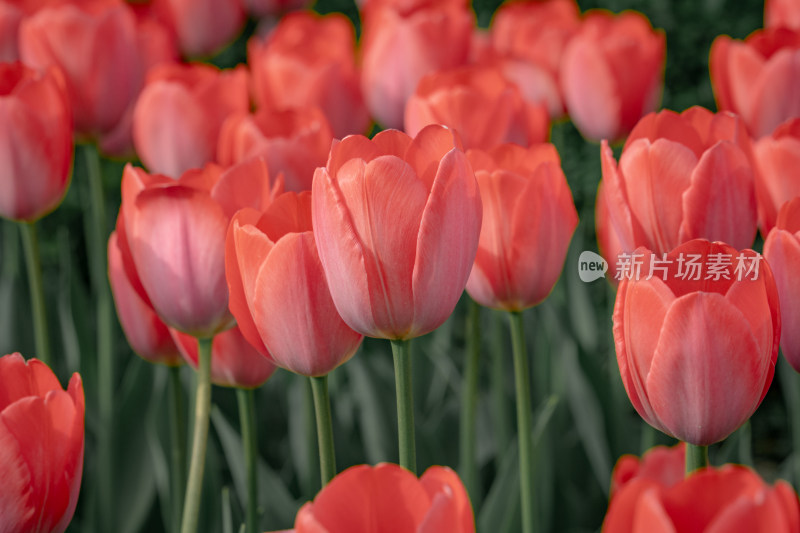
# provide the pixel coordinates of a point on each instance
(397, 221)
(755, 78)
(665, 465)
(480, 104)
(777, 182)
(273, 8)
(784, 13)
(35, 142)
(782, 251)
(680, 177)
(41, 438)
(612, 72)
(202, 27)
(730, 499)
(10, 17)
(309, 61)
(179, 114)
(387, 497)
(697, 334)
(528, 221)
(404, 41)
(279, 294)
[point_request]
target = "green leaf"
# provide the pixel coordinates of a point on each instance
(372, 417)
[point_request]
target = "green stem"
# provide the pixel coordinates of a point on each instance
(310, 483)
(322, 409)
(469, 402)
(524, 425)
(247, 419)
(202, 409)
(790, 385)
(502, 427)
(696, 458)
(97, 236)
(401, 350)
(178, 442)
(34, 264)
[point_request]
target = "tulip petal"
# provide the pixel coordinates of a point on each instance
(451, 509)
(778, 160)
(774, 96)
(782, 251)
(704, 375)
(651, 516)
(620, 516)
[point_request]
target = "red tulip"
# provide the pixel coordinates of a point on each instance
(174, 237)
(389, 498)
(611, 73)
(179, 114)
(309, 61)
(146, 333)
(234, 361)
(279, 295)
(782, 251)
(696, 334)
(293, 142)
(10, 17)
(35, 142)
(730, 499)
(272, 8)
(96, 46)
(202, 27)
(528, 221)
(400, 46)
(41, 438)
(778, 157)
(479, 103)
(528, 40)
(755, 78)
(664, 465)
(396, 221)
(784, 13)
(680, 177)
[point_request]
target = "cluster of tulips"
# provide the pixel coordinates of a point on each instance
(261, 228)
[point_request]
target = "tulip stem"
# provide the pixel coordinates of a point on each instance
(322, 410)
(502, 429)
(524, 424)
(696, 458)
(202, 409)
(469, 402)
(178, 441)
(97, 237)
(34, 264)
(401, 350)
(247, 419)
(790, 385)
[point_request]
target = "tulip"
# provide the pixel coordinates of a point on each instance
(179, 114)
(528, 40)
(402, 43)
(35, 142)
(202, 27)
(754, 78)
(662, 464)
(725, 500)
(396, 221)
(41, 435)
(778, 157)
(611, 73)
(95, 45)
(387, 497)
(782, 251)
(680, 177)
(273, 8)
(293, 142)
(10, 17)
(779, 13)
(696, 335)
(528, 221)
(309, 61)
(480, 104)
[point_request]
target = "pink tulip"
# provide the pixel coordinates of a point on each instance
(480, 104)
(401, 46)
(697, 346)
(528, 221)
(202, 27)
(309, 61)
(782, 251)
(396, 221)
(755, 78)
(273, 8)
(680, 177)
(782, 13)
(180, 112)
(35, 141)
(611, 73)
(293, 142)
(279, 295)
(665, 465)
(778, 157)
(10, 17)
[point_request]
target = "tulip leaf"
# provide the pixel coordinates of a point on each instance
(501, 505)
(372, 417)
(303, 435)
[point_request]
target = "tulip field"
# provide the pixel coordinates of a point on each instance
(412, 266)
